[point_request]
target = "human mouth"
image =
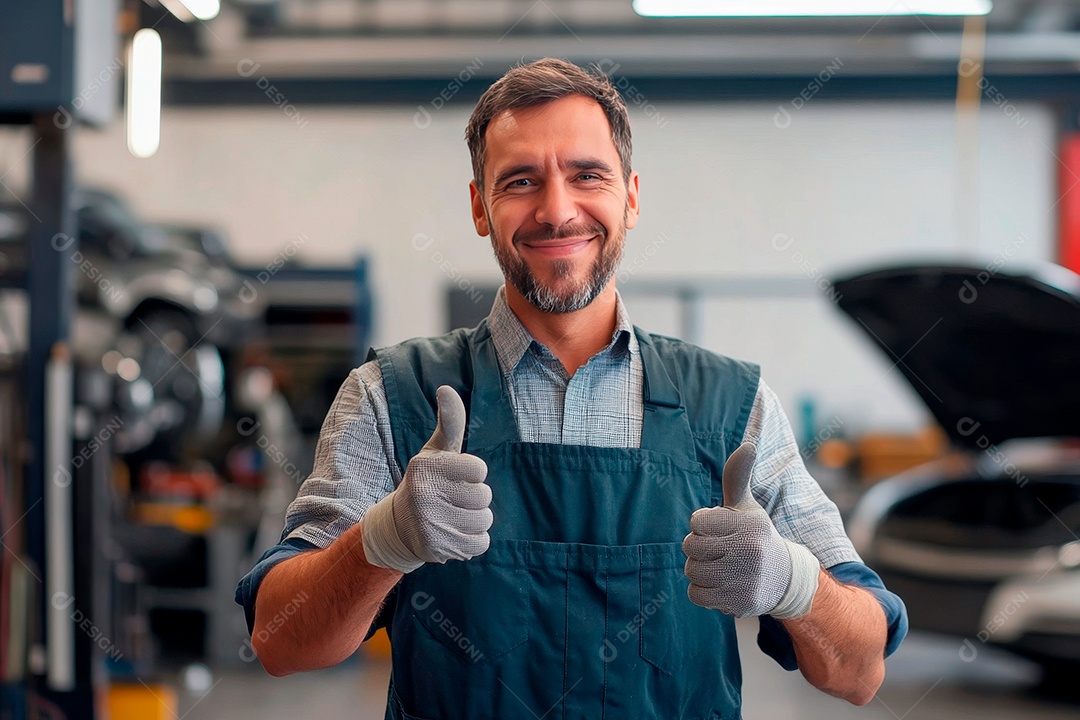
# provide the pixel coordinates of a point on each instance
(561, 247)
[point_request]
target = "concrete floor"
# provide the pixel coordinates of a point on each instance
(926, 680)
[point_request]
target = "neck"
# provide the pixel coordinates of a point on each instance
(572, 337)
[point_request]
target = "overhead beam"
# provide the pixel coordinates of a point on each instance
(635, 55)
(263, 91)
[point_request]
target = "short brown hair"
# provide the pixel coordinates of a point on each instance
(538, 83)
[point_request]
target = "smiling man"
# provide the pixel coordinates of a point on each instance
(556, 513)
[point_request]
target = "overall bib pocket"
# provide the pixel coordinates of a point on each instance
(476, 608)
(679, 639)
(676, 634)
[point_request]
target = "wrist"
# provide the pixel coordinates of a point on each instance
(799, 596)
(383, 546)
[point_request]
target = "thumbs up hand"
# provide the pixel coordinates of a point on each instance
(440, 510)
(736, 560)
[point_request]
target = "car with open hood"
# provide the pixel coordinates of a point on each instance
(983, 543)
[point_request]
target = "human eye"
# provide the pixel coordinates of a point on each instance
(590, 177)
(518, 184)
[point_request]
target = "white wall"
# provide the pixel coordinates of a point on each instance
(848, 184)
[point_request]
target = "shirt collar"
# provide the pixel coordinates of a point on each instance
(512, 340)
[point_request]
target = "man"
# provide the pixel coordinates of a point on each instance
(512, 502)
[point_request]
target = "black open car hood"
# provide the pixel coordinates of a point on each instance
(994, 355)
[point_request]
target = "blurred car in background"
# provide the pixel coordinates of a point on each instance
(983, 543)
(157, 304)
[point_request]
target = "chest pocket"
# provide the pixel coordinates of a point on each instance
(477, 609)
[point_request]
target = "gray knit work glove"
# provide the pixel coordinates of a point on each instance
(736, 560)
(440, 511)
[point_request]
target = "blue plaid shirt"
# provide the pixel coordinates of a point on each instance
(601, 404)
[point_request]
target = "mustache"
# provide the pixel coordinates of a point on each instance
(560, 233)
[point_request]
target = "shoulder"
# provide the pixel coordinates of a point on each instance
(718, 391)
(419, 348)
(441, 355)
(697, 363)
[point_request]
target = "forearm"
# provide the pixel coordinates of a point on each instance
(313, 610)
(840, 643)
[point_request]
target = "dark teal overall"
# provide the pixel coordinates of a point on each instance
(579, 609)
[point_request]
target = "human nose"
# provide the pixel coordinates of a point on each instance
(555, 206)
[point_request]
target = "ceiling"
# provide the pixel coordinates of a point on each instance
(403, 40)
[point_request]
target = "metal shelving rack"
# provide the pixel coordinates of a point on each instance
(319, 321)
(49, 52)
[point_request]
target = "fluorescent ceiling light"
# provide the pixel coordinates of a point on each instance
(178, 9)
(188, 10)
(808, 8)
(144, 93)
(203, 9)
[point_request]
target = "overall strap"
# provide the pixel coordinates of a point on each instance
(412, 371)
(714, 392)
(696, 403)
(491, 418)
(665, 427)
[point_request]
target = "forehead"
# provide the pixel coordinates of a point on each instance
(559, 129)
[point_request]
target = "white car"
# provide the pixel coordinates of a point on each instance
(982, 544)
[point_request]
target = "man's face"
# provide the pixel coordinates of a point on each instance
(554, 202)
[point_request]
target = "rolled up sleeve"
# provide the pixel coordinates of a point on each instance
(354, 468)
(802, 513)
(775, 641)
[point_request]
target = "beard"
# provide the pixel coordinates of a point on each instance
(573, 296)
